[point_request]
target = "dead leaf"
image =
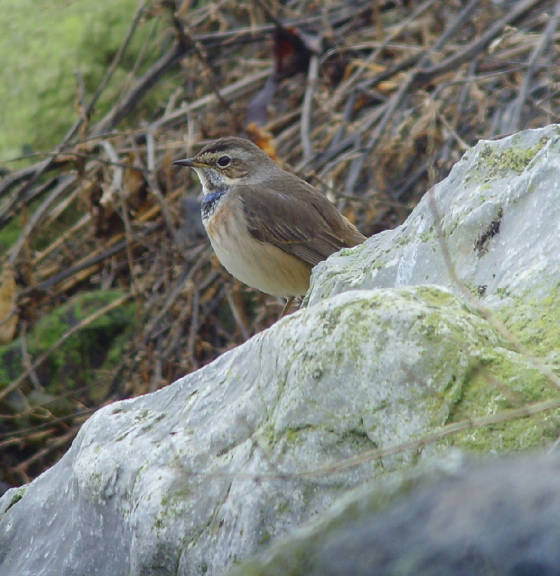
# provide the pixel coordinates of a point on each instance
(292, 51)
(263, 139)
(8, 311)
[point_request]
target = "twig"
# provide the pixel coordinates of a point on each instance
(62, 239)
(54, 444)
(151, 177)
(16, 177)
(312, 75)
(236, 88)
(188, 40)
(545, 39)
(415, 445)
(452, 132)
(193, 330)
(237, 314)
(188, 273)
(117, 59)
(479, 44)
(26, 360)
(14, 434)
(396, 99)
(86, 263)
(64, 183)
(344, 87)
(425, 440)
(116, 189)
(8, 210)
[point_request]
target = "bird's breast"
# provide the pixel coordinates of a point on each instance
(258, 264)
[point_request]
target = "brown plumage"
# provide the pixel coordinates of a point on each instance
(267, 226)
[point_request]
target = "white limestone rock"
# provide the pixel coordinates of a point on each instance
(500, 223)
(204, 473)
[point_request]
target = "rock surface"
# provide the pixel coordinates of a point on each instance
(499, 217)
(202, 474)
(496, 519)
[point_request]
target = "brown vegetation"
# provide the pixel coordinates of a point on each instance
(371, 101)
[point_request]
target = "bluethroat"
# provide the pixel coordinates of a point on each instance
(268, 227)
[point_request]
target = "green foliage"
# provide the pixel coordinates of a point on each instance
(85, 356)
(43, 45)
(9, 234)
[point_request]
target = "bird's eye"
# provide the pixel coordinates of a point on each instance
(223, 161)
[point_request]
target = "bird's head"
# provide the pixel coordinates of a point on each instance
(230, 161)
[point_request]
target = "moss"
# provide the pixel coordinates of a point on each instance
(291, 435)
(435, 296)
(484, 370)
(9, 235)
(85, 357)
(401, 240)
(502, 378)
(173, 504)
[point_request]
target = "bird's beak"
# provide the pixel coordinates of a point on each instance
(190, 162)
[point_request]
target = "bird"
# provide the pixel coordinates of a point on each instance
(267, 226)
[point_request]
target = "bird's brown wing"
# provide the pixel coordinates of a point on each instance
(300, 221)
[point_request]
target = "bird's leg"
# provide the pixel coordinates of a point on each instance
(286, 307)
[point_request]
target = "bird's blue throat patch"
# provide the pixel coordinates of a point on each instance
(210, 203)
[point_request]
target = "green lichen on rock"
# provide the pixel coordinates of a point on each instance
(480, 371)
(17, 495)
(462, 364)
(535, 323)
(495, 162)
(512, 375)
(504, 381)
